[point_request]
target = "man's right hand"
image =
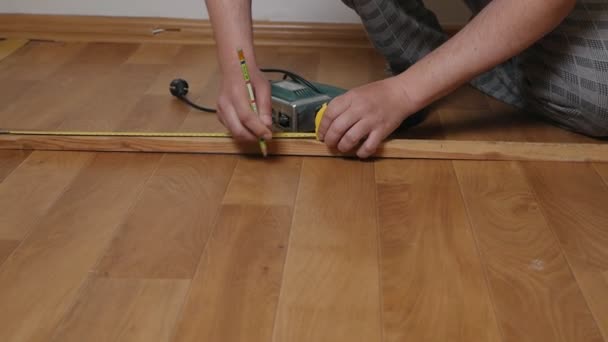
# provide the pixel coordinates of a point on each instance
(232, 30)
(234, 108)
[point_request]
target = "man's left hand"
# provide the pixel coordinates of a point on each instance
(363, 117)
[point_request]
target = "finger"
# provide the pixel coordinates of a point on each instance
(252, 122)
(353, 136)
(236, 128)
(264, 100)
(336, 107)
(220, 119)
(369, 147)
(339, 127)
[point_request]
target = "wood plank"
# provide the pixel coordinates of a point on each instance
(10, 160)
(148, 53)
(37, 61)
(49, 108)
(6, 248)
(41, 280)
(17, 89)
(272, 181)
(235, 292)
(154, 113)
(167, 30)
(106, 53)
(109, 105)
(398, 148)
(573, 198)
(187, 190)
(331, 284)
(27, 195)
(602, 169)
(433, 283)
(9, 46)
(535, 295)
(124, 310)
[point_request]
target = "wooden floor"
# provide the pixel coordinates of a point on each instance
(177, 247)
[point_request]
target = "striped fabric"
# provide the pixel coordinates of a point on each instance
(563, 77)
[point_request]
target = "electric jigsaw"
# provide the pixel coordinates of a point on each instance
(295, 100)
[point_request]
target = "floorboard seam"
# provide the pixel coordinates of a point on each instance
(478, 250)
(92, 273)
(289, 239)
(214, 223)
(379, 253)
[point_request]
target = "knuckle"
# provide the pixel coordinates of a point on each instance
(349, 139)
(239, 133)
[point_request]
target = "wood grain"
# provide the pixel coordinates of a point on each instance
(9, 160)
(433, 284)
(17, 89)
(6, 248)
(602, 169)
(535, 295)
(124, 310)
(109, 105)
(330, 288)
(38, 60)
(187, 190)
(235, 292)
(573, 198)
(49, 108)
(148, 53)
(166, 30)
(270, 181)
(41, 280)
(398, 148)
(27, 195)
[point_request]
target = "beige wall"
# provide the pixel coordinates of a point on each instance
(449, 11)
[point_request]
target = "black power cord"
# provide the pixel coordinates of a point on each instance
(179, 87)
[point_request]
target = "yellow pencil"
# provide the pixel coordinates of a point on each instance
(254, 106)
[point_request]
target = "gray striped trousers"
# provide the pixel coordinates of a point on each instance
(563, 77)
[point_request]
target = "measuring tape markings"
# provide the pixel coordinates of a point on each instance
(277, 135)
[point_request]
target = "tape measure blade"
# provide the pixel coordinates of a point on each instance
(279, 135)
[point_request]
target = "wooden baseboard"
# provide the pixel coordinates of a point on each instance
(418, 149)
(164, 30)
(182, 31)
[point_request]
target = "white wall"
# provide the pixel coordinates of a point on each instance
(449, 11)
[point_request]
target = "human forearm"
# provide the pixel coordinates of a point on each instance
(231, 21)
(502, 30)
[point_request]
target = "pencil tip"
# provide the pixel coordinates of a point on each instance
(264, 149)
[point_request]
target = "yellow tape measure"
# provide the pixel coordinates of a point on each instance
(278, 135)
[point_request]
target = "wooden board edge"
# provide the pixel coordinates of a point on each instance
(399, 148)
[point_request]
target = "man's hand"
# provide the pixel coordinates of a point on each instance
(234, 109)
(363, 117)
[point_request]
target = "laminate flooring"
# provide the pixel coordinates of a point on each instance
(178, 247)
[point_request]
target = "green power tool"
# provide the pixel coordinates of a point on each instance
(295, 105)
(295, 100)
